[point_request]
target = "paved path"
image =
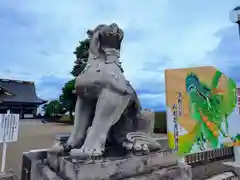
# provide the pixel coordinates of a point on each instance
(32, 135)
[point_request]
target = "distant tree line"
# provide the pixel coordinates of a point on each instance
(67, 100)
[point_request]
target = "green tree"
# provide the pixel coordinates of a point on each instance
(53, 108)
(81, 53)
(68, 97)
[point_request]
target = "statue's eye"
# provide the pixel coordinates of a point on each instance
(190, 87)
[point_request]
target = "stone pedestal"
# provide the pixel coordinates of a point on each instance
(182, 172)
(237, 155)
(159, 165)
(7, 176)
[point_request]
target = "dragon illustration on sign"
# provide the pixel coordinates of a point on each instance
(210, 105)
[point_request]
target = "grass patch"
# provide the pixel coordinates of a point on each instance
(65, 118)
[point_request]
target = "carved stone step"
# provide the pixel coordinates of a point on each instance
(181, 172)
(224, 176)
(73, 168)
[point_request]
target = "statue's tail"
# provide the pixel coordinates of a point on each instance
(144, 118)
(133, 119)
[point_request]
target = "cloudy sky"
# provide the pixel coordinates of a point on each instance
(37, 39)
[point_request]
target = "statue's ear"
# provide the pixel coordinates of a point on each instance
(90, 33)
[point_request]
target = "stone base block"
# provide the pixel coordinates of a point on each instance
(7, 176)
(53, 160)
(181, 172)
(177, 172)
(45, 173)
(162, 163)
(163, 142)
(211, 169)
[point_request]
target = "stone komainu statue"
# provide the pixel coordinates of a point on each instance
(107, 107)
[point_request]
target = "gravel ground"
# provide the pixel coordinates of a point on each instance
(32, 135)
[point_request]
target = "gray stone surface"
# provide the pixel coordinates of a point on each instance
(224, 176)
(109, 123)
(182, 172)
(45, 173)
(161, 164)
(53, 160)
(212, 169)
(107, 107)
(7, 176)
(163, 142)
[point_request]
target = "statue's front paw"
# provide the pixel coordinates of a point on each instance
(60, 148)
(136, 146)
(57, 148)
(140, 146)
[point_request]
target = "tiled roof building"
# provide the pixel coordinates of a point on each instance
(19, 97)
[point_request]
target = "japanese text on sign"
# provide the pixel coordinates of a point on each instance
(177, 112)
(9, 127)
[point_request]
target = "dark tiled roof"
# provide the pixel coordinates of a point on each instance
(21, 91)
(3, 91)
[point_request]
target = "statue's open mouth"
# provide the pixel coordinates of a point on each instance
(110, 40)
(110, 36)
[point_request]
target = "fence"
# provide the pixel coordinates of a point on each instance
(209, 156)
(209, 165)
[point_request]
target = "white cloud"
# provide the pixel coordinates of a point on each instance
(38, 38)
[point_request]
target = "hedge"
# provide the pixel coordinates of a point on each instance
(160, 125)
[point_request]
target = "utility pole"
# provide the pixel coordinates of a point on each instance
(235, 17)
